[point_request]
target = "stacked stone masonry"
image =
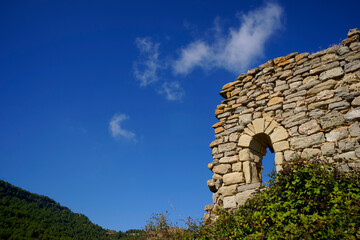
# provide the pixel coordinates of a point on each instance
(298, 105)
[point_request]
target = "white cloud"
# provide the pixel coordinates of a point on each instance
(236, 50)
(172, 90)
(146, 69)
(233, 49)
(116, 130)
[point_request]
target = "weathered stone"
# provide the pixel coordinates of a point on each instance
(331, 74)
(249, 155)
(231, 159)
(218, 130)
(309, 127)
(328, 149)
(339, 105)
(248, 187)
(229, 202)
(353, 115)
(233, 178)
(289, 155)
(316, 113)
(308, 141)
(228, 190)
(259, 125)
(337, 134)
(354, 129)
(244, 119)
(323, 95)
(302, 70)
(281, 88)
(279, 158)
(279, 134)
(281, 146)
(242, 197)
(244, 140)
(286, 74)
(322, 86)
(211, 185)
(352, 66)
(348, 155)
(348, 144)
(237, 167)
(308, 85)
(343, 50)
(221, 168)
(332, 119)
(310, 152)
(247, 171)
(216, 142)
(356, 102)
(226, 147)
(275, 100)
(310, 79)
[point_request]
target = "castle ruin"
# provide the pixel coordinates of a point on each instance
(298, 105)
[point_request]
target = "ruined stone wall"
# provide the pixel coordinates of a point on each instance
(297, 105)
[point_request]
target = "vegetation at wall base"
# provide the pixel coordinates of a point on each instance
(25, 215)
(308, 199)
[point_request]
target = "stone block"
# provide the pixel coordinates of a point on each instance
(331, 74)
(249, 155)
(348, 155)
(337, 134)
(279, 134)
(289, 155)
(302, 142)
(250, 186)
(328, 149)
(247, 171)
(348, 144)
(230, 159)
(229, 202)
(226, 147)
(244, 140)
(322, 86)
(228, 190)
(242, 197)
(354, 129)
(356, 102)
(310, 152)
(237, 167)
(279, 158)
(353, 115)
(309, 127)
(259, 125)
(332, 119)
(221, 168)
(352, 66)
(233, 178)
(281, 146)
(244, 119)
(275, 100)
(273, 124)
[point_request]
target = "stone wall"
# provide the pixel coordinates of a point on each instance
(297, 105)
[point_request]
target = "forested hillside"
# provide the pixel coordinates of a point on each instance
(25, 215)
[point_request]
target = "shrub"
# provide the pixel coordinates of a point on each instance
(308, 199)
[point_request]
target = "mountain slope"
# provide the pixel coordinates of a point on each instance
(25, 215)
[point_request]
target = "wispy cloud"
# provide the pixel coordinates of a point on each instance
(116, 130)
(236, 50)
(233, 49)
(172, 90)
(147, 67)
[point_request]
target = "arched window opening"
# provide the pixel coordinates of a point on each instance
(261, 144)
(268, 164)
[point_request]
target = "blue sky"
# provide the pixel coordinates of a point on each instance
(107, 106)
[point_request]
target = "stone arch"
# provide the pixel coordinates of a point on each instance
(258, 135)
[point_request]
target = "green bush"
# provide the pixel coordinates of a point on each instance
(308, 199)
